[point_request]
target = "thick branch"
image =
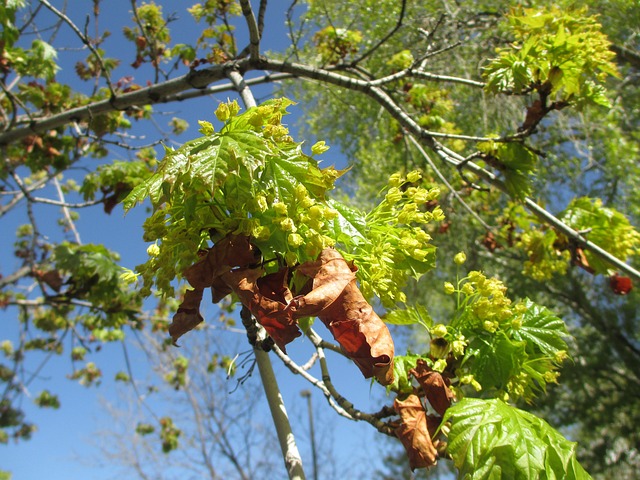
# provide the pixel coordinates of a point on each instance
(197, 79)
(201, 78)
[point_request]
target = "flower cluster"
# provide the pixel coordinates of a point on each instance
(397, 242)
(486, 299)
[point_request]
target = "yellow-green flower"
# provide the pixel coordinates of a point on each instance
(295, 240)
(280, 208)
(439, 330)
(414, 176)
(460, 258)
(287, 225)
(440, 365)
(449, 288)
(153, 250)
(319, 147)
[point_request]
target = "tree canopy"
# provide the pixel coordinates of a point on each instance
(476, 258)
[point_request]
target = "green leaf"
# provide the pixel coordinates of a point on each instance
(541, 329)
(409, 316)
(402, 364)
(605, 227)
(350, 226)
(491, 440)
(497, 359)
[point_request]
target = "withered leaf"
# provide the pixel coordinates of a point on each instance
(413, 432)
(188, 315)
(230, 252)
(435, 387)
(266, 297)
(336, 300)
(52, 278)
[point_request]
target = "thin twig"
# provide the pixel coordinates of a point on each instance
(84, 40)
(340, 400)
(298, 370)
(444, 180)
(384, 39)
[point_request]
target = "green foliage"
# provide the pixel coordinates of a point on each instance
(249, 179)
(178, 376)
(389, 244)
(491, 439)
(38, 62)
(88, 375)
(47, 399)
(93, 274)
(252, 179)
(115, 181)
(515, 162)
(605, 227)
(544, 257)
(505, 349)
(561, 53)
(335, 44)
(169, 434)
(144, 429)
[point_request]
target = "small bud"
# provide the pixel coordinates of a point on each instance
(414, 176)
(440, 330)
(460, 258)
(153, 250)
(319, 147)
(449, 288)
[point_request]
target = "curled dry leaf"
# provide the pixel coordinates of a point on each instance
(336, 300)
(413, 432)
(267, 298)
(188, 315)
(333, 297)
(435, 387)
(232, 251)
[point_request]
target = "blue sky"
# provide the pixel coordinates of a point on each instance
(64, 445)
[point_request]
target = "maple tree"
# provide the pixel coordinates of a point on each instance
(246, 211)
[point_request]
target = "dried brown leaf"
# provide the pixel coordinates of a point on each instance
(266, 302)
(230, 252)
(413, 432)
(188, 316)
(337, 301)
(434, 385)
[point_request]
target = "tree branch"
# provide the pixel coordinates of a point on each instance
(356, 414)
(254, 31)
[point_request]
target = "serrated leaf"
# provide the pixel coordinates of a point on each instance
(409, 316)
(490, 439)
(498, 358)
(542, 329)
(350, 226)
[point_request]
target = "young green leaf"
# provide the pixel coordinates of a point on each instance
(490, 439)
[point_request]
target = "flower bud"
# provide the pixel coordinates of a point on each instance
(460, 258)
